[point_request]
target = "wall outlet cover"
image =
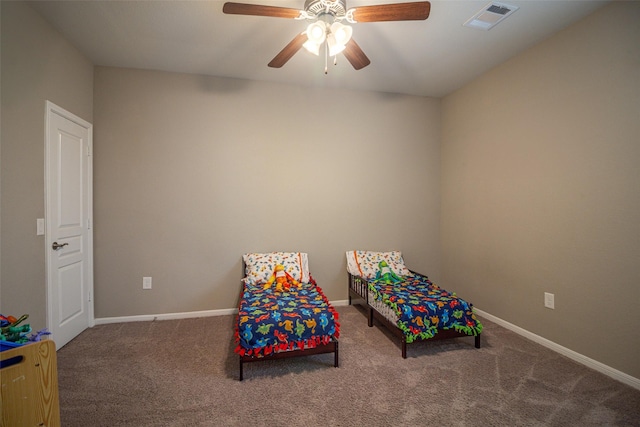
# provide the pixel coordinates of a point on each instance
(549, 300)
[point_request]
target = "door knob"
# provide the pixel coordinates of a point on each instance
(57, 246)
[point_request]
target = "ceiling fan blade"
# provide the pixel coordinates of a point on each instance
(355, 55)
(259, 10)
(393, 12)
(289, 50)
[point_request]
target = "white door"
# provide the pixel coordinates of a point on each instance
(69, 236)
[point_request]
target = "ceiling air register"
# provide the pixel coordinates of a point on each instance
(490, 16)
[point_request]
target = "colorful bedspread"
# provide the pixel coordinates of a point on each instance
(423, 308)
(270, 321)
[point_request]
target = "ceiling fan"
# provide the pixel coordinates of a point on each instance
(326, 28)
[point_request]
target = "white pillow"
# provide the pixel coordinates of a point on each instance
(260, 266)
(365, 263)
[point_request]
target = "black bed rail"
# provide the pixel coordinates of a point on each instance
(360, 287)
(330, 347)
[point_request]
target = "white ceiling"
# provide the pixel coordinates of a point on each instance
(426, 58)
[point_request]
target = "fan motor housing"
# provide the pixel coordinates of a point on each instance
(319, 7)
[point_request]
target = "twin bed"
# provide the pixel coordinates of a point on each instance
(408, 303)
(284, 313)
(283, 321)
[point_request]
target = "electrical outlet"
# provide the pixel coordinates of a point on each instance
(146, 283)
(549, 300)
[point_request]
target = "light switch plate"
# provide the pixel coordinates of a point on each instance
(40, 227)
(146, 283)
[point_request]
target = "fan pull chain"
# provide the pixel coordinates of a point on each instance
(326, 57)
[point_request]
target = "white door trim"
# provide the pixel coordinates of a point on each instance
(50, 109)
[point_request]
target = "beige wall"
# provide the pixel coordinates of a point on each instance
(37, 65)
(191, 172)
(540, 188)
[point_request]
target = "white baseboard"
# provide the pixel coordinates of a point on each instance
(184, 315)
(166, 316)
(593, 364)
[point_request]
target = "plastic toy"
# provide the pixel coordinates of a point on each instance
(386, 274)
(11, 331)
(37, 336)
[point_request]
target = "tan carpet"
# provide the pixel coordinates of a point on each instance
(184, 373)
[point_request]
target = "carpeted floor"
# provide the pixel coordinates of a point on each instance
(185, 373)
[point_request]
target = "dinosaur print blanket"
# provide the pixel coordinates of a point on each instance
(424, 308)
(271, 321)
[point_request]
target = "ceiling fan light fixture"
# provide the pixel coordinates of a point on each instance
(316, 32)
(334, 47)
(312, 47)
(327, 17)
(341, 32)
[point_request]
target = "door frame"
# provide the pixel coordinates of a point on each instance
(50, 109)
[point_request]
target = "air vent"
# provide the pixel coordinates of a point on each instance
(500, 10)
(490, 15)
